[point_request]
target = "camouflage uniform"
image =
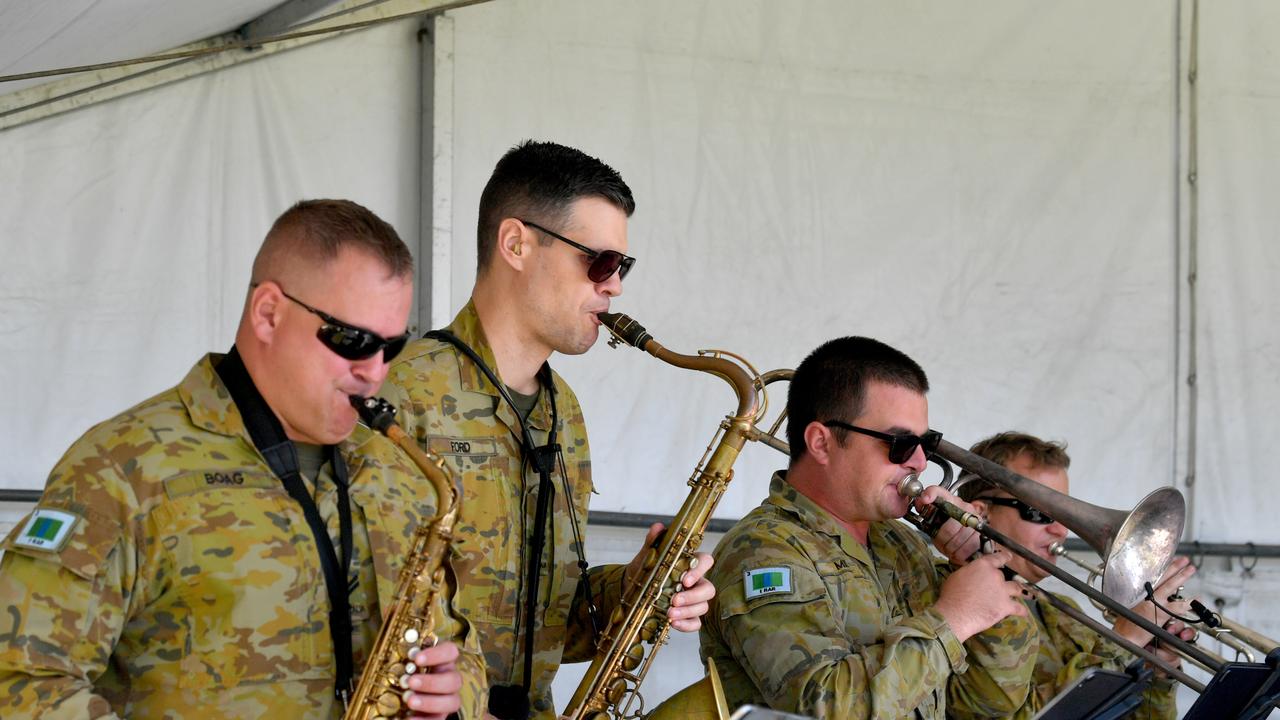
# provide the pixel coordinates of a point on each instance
(844, 630)
(1068, 648)
(188, 584)
(449, 406)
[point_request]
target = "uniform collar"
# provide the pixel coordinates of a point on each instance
(811, 515)
(466, 326)
(209, 405)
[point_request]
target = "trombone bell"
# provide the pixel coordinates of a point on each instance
(1143, 546)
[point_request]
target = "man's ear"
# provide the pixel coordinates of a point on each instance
(819, 442)
(266, 306)
(983, 507)
(514, 243)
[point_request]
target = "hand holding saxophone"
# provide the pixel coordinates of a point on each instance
(692, 602)
(434, 689)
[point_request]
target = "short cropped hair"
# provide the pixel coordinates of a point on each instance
(317, 230)
(540, 181)
(1004, 447)
(831, 384)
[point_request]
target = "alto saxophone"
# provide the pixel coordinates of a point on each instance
(611, 686)
(383, 690)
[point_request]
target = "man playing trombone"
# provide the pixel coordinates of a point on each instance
(827, 607)
(1068, 648)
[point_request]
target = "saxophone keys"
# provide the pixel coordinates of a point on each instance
(410, 668)
(632, 659)
(389, 705)
(616, 691)
(411, 635)
(413, 651)
(649, 629)
(404, 682)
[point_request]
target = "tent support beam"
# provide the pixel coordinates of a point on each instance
(95, 86)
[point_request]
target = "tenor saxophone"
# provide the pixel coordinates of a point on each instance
(610, 689)
(383, 690)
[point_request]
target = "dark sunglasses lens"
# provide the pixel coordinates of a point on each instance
(902, 447)
(393, 347)
(348, 343)
(1034, 515)
(604, 265)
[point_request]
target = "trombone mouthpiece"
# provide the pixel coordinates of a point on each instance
(1057, 549)
(624, 329)
(910, 486)
(374, 411)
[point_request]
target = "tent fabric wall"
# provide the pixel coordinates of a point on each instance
(990, 191)
(129, 228)
(994, 190)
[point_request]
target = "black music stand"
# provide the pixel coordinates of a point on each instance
(1244, 691)
(1099, 695)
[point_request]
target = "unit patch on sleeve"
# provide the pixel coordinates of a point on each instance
(766, 581)
(47, 530)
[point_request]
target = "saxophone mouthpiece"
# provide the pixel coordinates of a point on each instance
(624, 329)
(374, 411)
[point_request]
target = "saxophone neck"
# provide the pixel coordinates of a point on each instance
(745, 384)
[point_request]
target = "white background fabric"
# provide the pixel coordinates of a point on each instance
(993, 188)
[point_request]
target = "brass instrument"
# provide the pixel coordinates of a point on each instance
(610, 687)
(382, 692)
(1138, 545)
(1243, 640)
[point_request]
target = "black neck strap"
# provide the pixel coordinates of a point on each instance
(503, 702)
(269, 438)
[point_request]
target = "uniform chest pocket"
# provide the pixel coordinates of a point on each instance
(487, 543)
(247, 602)
(856, 599)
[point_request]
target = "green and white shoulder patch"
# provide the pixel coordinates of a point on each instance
(766, 581)
(47, 530)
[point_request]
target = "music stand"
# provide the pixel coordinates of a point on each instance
(1244, 691)
(1099, 695)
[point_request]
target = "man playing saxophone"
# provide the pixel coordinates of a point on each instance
(551, 251)
(1068, 648)
(225, 548)
(829, 607)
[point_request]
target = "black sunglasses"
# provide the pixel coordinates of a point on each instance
(604, 263)
(350, 342)
(1025, 511)
(901, 447)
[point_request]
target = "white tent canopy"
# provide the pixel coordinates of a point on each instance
(997, 188)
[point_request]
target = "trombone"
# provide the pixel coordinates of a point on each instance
(1243, 640)
(1137, 545)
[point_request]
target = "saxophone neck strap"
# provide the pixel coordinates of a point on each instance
(278, 450)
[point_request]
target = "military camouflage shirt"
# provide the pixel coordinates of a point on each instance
(809, 620)
(166, 573)
(451, 408)
(1068, 649)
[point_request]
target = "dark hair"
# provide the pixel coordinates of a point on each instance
(831, 384)
(540, 181)
(316, 230)
(1004, 447)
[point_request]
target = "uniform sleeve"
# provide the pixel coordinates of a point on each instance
(606, 587)
(61, 613)
(1159, 701)
(797, 653)
(1002, 661)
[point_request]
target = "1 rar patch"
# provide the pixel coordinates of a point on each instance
(47, 530)
(766, 581)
